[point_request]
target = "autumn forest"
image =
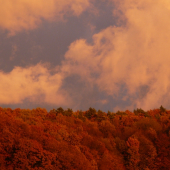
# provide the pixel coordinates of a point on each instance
(84, 140)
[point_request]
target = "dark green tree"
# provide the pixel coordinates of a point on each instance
(162, 109)
(111, 115)
(91, 113)
(120, 113)
(101, 115)
(139, 111)
(68, 112)
(60, 110)
(80, 116)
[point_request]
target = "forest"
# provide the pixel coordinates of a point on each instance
(84, 140)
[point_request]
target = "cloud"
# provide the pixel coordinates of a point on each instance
(35, 83)
(129, 61)
(132, 57)
(21, 15)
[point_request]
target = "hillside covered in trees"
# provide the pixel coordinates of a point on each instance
(84, 140)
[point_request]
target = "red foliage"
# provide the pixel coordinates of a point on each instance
(35, 139)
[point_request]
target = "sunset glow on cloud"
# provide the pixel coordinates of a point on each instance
(28, 14)
(35, 83)
(135, 55)
(128, 60)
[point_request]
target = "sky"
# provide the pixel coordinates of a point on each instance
(105, 54)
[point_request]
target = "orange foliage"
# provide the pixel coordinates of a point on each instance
(89, 140)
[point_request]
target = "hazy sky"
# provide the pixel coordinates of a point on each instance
(107, 54)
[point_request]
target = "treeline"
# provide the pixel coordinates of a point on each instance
(87, 140)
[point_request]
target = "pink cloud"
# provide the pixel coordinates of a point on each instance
(135, 54)
(21, 15)
(35, 83)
